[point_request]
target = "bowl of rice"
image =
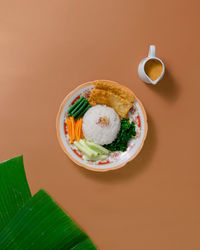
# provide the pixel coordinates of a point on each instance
(101, 125)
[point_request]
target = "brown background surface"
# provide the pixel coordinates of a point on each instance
(49, 47)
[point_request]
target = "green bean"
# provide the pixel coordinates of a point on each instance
(80, 110)
(78, 107)
(83, 112)
(75, 104)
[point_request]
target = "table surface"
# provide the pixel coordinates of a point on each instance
(49, 47)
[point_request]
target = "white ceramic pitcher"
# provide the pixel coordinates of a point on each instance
(141, 67)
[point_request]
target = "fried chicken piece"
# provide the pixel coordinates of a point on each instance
(120, 105)
(116, 89)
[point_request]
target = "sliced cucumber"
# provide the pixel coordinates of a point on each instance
(82, 149)
(99, 157)
(85, 149)
(93, 152)
(97, 147)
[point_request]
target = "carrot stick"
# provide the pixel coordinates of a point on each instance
(69, 129)
(77, 128)
(72, 128)
(80, 128)
(82, 136)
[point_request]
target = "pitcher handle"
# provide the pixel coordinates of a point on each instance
(152, 51)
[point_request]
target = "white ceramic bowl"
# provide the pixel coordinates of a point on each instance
(116, 159)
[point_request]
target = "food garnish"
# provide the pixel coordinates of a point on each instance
(127, 131)
(69, 129)
(75, 105)
(103, 121)
(84, 111)
(78, 129)
(74, 128)
(91, 150)
(79, 108)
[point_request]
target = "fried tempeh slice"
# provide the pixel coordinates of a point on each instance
(116, 89)
(120, 105)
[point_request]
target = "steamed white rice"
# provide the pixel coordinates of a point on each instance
(101, 124)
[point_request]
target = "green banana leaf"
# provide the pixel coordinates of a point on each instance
(42, 224)
(84, 245)
(14, 189)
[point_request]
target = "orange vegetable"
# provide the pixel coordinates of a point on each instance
(76, 129)
(69, 129)
(80, 128)
(72, 128)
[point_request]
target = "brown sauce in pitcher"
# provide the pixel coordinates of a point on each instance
(153, 69)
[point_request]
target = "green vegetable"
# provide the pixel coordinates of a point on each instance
(14, 189)
(97, 158)
(75, 104)
(83, 112)
(97, 147)
(127, 131)
(83, 101)
(91, 150)
(94, 152)
(42, 224)
(79, 108)
(85, 245)
(85, 149)
(84, 105)
(33, 223)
